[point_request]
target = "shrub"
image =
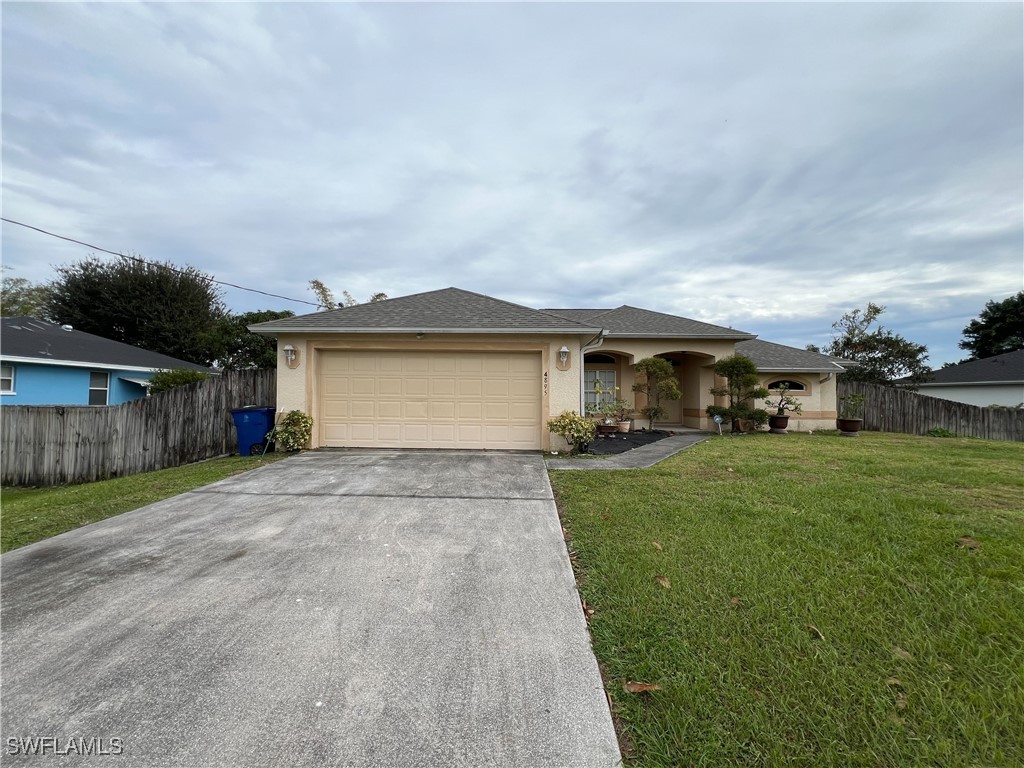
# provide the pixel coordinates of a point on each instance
(165, 380)
(294, 431)
(576, 430)
(939, 432)
(742, 388)
(850, 405)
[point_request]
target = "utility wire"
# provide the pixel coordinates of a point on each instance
(143, 261)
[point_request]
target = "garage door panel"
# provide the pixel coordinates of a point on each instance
(422, 399)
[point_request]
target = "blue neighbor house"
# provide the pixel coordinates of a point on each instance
(43, 363)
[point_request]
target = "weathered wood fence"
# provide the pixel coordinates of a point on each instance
(55, 445)
(891, 409)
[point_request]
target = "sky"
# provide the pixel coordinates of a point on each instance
(767, 167)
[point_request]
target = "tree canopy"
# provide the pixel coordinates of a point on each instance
(882, 356)
(235, 347)
(156, 306)
(998, 329)
(19, 296)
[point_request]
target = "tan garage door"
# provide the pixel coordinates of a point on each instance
(430, 399)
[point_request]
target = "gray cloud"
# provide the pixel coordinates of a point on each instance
(763, 166)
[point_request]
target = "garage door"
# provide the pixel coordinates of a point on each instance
(430, 400)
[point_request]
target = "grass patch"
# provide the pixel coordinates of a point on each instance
(28, 515)
(820, 609)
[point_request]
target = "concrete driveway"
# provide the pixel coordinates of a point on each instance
(334, 609)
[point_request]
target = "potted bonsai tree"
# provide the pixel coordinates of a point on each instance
(657, 382)
(742, 387)
(849, 420)
(778, 422)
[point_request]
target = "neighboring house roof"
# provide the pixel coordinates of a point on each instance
(449, 310)
(770, 358)
(1007, 368)
(633, 321)
(29, 340)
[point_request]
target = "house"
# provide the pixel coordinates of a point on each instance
(995, 380)
(456, 369)
(42, 363)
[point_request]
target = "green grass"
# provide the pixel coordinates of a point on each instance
(28, 515)
(767, 541)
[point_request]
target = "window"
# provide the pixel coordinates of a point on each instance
(99, 385)
(598, 380)
(7, 379)
(792, 386)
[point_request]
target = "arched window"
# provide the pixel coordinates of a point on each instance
(792, 386)
(599, 359)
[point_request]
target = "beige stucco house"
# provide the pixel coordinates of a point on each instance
(456, 369)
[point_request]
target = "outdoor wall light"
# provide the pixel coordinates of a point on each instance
(289, 353)
(563, 354)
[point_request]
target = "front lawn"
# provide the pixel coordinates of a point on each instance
(28, 515)
(809, 600)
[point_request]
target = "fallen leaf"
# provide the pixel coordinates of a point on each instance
(607, 517)
(632, 687)
(901, 701)
(910, 585)
(968, 543)
(816, 631)
(663, 580)
(657, 546)
(893, 681)
(735, 602)
(896, 718)
(729, 469)
(587, 610)
(900, 653)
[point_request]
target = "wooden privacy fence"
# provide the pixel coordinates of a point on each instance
(891, 409)
(54, 445)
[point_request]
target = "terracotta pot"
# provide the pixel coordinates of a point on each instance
(607, 429)
(849, 427)
(743, 425)
(624, 426)
(778, 424)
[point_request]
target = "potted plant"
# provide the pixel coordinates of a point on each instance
(742, 387)
(849, 421)
(778, 422)
(618, 412)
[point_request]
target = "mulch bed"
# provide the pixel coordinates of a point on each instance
(621, 442)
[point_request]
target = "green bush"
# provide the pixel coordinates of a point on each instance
(165, 380)
(939, 432)
(576, 430)
(294, 431)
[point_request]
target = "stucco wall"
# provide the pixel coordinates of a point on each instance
(984, 395)
(297, 388)
(818, 401)
(68, 385)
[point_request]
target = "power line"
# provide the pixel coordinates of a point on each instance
(165, 266)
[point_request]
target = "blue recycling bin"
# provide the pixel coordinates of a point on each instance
(252, 424)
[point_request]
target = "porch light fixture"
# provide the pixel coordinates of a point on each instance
(289, 353)
(563, 354)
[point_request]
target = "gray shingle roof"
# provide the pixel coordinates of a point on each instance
(28, 337)
(1008, 367)
(449, 309)
(633, 321)
(769, 356)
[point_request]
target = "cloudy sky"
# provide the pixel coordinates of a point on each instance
(764, 166)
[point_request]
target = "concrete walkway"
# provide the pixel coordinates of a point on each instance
(638, 458)
(359, 608)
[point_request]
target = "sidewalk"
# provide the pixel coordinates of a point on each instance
(639, 458)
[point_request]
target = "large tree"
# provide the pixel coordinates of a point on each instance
(237, 348)
(882, 356)
(998, 329)
(157, 306)
(19, 296)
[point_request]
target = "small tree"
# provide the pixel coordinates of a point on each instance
(881, 355)
(658, 382)
(742, 387)
(162, 381)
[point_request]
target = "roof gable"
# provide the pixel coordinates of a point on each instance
(1008, 367)
(39, 340)
(448, 309)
